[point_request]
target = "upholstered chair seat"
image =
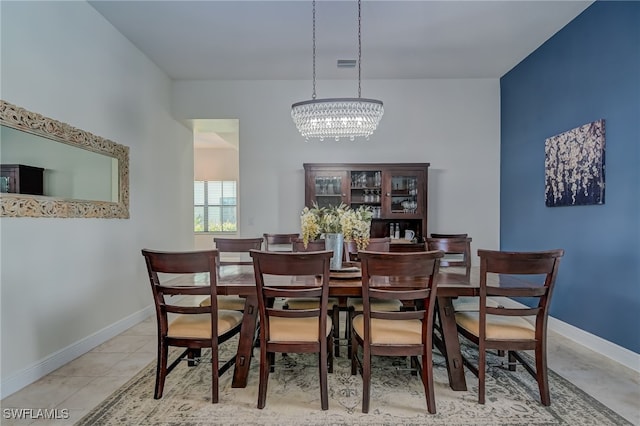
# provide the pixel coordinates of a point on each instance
(199, 326)
(498, 327)
(295, 329)
(387, 332)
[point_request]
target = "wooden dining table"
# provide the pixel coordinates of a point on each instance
(451, 283)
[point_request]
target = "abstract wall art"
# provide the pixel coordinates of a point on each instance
(574, 166)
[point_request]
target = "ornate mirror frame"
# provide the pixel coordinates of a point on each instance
(23, 205)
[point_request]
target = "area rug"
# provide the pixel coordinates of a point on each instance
(397, 398)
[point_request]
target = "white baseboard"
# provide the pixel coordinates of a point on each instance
(597, 344)
(41, 368)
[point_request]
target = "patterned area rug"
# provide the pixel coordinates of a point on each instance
(397, 398)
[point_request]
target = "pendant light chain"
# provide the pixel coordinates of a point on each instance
(337, 117)
(313, 95)
(359, 49)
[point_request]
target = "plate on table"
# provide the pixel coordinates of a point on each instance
(349, 270)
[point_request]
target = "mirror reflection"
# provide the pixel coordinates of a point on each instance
(52, 169)
(69, 172)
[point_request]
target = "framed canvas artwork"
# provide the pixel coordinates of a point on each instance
(574, 166)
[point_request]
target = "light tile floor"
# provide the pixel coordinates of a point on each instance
(86, 381)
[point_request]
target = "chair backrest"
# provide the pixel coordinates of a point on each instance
(314, 264)
(449, 235)
(416, 275)
(279, 242)
(520, 272)
(316, 245)
(375, 244)
(237, 245)
(457, 251)
(194, 262)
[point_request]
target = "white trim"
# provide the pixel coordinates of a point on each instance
(39, 369)
(597, 344)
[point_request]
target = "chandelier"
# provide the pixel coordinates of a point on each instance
(337, 117)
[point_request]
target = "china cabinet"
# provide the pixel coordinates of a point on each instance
(396, 193)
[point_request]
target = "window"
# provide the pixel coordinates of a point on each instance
(215, 206)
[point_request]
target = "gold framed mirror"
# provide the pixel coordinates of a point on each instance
(82, 175)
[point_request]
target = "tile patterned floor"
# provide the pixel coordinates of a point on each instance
(84, 382)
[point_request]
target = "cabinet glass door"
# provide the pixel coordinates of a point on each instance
(366, 190)
(404, 194)
(329, 188)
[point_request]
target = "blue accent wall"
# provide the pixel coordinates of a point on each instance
(587, 71)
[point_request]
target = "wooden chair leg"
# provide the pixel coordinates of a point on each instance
(512, 362)
(348, 332)
(366, 378)
(193, 357)
(215, 376)
(330, 354)
(353, 354)
(541, 375)
(325, 352)
(427, 380)
(264, 376)
(335, 316)
(161, 369)
(482, 355)
(414, 366)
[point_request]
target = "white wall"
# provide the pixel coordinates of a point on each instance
(452, 124)
(68, 283)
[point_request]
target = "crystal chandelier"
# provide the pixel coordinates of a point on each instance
(337, 117)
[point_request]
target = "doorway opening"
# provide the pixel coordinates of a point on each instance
(216, 167)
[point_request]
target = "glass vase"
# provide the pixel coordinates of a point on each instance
(335, 242)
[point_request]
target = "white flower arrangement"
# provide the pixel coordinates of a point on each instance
(353, 224)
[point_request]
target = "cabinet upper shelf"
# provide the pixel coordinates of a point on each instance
(396, 192)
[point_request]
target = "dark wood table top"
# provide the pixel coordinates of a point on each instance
(240, 280)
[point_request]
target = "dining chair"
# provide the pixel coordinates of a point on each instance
(194, 327)
(354, 304)
(457, 259)
(504, 328)
(315, 245)
(457, 253)
(293, 331)
(402, 333)
(312, 302)
(237, 247)
(375, 244)
(279, 242)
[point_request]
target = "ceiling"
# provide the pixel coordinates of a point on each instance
(272, 40)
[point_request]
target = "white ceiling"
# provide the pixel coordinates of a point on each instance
(263, 40)
(272, 40)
